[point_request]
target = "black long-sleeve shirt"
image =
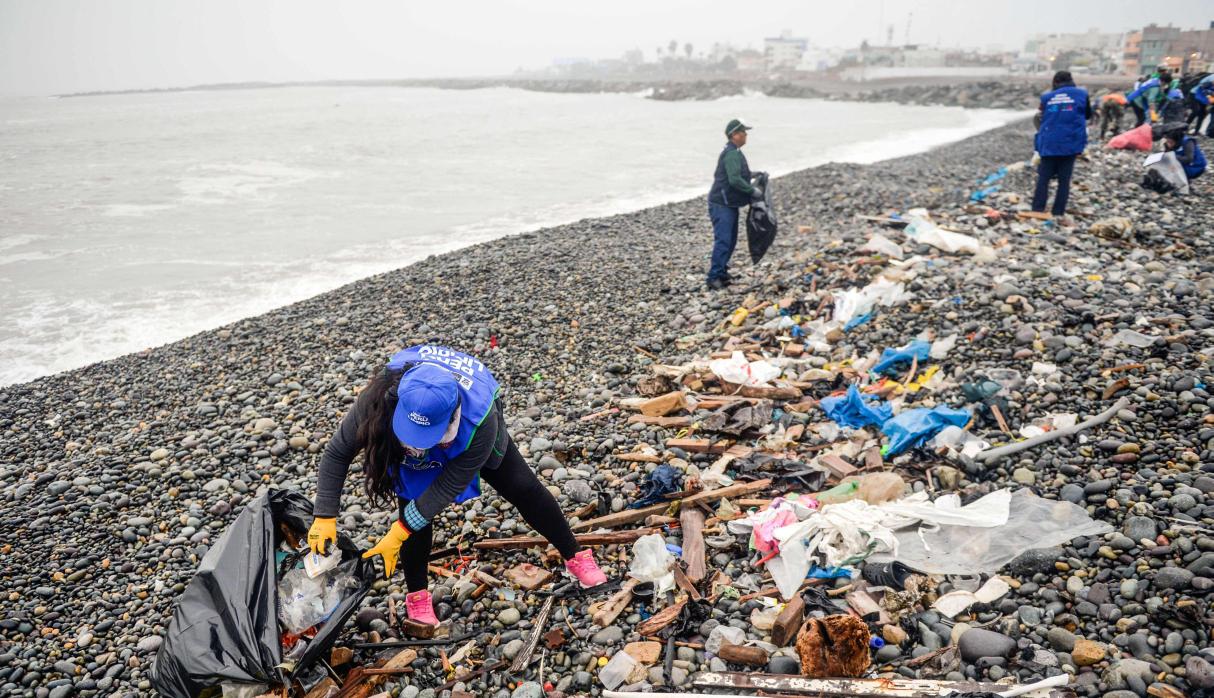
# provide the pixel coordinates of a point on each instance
(486, 449)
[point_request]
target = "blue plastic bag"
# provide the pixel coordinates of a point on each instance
(913, 428)
(892, 359)
(853, 410)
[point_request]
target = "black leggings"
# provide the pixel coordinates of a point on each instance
(516, 483)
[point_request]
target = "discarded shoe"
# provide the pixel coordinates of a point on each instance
(583, 567)
(886, 574)
(419, 607)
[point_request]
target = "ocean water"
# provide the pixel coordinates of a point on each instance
(128, 221)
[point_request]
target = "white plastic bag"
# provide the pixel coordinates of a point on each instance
(736, 369)
(923, 231)
(882, 245)
(1130, 337)
(942, 346)
(723, 634)
(1032, 522)
(616, 671)
(958, 440)
(651, 562)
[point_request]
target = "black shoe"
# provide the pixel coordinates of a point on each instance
(717, 284)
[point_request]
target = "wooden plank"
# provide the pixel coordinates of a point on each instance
(742, 654)
(682, 582)
(663, 405)
(837, 466)
(638, 457)
(610, 538)
(692, 522)
(692, 445)
(664, 422)
(604, 613)
(633, 515)
(788, 622)
(844, 688)
(523, 658)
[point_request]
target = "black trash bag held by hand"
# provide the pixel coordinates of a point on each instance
(760, 221)
(225, 625)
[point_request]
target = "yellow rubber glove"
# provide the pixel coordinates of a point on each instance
(323, 532)
(388, 547)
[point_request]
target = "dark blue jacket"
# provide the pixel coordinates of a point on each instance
(1064, 121)
(724, 192)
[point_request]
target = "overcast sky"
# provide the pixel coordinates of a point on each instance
(56, 46)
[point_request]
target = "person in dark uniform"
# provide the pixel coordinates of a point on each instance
(731, 190)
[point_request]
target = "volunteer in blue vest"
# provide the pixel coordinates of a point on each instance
(1062, 136)
(731, 190)
(1201, 96)
(1188, 153)
(431, 428)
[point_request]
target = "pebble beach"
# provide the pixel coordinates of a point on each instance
(117, 478)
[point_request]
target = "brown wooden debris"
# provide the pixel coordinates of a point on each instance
(604, 613)
(633, 515)
(788, 622)
(523, 658)
(838, 467)
(637, 457)
(1115, 387)
(340, 655)
(742, 654)
(655, 623)
(584, 539)
(698, 445)
(664, 422)
(664, 405)
(692, 522)
(528, 576)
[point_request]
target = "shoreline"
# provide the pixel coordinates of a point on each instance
(1010, 92)
(119, 475)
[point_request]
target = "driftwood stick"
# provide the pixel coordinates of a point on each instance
(537, 630)
(995, 454)
(692, 521)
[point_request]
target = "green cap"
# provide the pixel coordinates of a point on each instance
(736, 125)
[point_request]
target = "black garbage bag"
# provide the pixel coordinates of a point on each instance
(760, 221)
(225, 625)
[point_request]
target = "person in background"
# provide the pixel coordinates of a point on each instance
(1063, 135)
(1112, 108)
(731, 190)
(1199, 101)
(1137, 97)
(1173, 108)
(1187, 152)
(431, 427)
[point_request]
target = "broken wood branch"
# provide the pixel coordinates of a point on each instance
(633, 515)
(523, 658)
(609, 538)
(994, 454)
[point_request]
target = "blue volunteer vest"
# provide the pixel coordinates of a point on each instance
(477, 390)
(1198, 166)
(1064, 126)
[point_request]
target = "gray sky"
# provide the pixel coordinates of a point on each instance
(56, 46)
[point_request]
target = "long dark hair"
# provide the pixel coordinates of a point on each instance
(381, 449)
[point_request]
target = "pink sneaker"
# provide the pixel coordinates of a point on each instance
(585, 569)
(420, 608)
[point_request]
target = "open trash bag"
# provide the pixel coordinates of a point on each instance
(760, 221)
(225, 627)
(1165, 174)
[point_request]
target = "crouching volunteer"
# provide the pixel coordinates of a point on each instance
(430, 427)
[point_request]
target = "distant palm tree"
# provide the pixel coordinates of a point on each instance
(687, 50)
(674, 48)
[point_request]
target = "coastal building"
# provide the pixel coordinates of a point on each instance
(1131, 63)
(1156, 47)
(784, 52)
(1193, 50)
(1093, 50)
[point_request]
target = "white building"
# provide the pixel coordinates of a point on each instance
(784, 52)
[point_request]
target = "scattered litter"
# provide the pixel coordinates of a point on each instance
(882, 245)
(1130, 338)
(855, 410)
(899, 359)
(651, 562)
(736, 369)
(955, 602)
(914, 427)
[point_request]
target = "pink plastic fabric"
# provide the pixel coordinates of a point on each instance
(1134, 139)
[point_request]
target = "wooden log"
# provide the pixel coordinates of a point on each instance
(585, 539)
(638, 457)
(633, 515)
(682, 582)
(742, 654)
(523, 658)
(788, 622)
(692, 522)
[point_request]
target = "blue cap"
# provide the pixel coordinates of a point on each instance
(428, 396)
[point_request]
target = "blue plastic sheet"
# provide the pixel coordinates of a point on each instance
(913, 428)
(853, 410)
(893, 359)
(857, 321)
(664, 480)
(816, 572)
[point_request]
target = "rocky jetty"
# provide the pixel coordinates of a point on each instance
(117, 477)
